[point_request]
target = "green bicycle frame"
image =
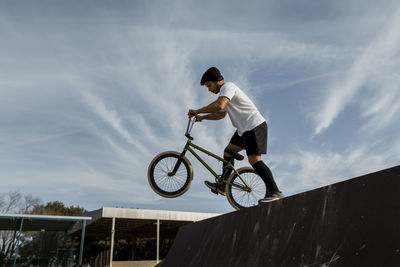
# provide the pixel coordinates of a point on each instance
(190, 147)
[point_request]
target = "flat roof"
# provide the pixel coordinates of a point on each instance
(39, 222)
(125, 213)
(138, 222)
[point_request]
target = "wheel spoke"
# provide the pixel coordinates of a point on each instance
(242, 198)
(166, 184)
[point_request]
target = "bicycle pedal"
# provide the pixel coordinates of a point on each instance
(222, 182)
(215, 191)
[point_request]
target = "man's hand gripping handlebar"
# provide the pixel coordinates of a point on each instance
(194, 113)
(191, 122)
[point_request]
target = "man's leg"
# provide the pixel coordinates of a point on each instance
(265, 173)
(225, 173)
(229, 157)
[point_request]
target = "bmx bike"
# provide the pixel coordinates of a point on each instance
(170, 175)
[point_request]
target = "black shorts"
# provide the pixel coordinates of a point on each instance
(253, 141)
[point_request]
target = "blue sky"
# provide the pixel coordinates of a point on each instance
(91, 91)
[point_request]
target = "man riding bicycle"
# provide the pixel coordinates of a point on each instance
(251, 133)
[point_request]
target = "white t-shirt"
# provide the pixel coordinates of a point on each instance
(242, 111)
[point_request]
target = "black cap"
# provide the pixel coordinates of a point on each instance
(211, 75)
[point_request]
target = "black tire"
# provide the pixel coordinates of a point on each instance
(240, 199)
(165, 185)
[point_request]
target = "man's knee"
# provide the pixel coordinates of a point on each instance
(226, 152)
(231, 147)
(253, 159)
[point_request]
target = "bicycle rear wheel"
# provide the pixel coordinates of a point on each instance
(239, 198)
(162, 182)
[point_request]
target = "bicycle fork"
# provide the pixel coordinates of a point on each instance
(179, 161)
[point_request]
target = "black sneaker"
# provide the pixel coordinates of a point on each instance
(216, 188)
(272, 197)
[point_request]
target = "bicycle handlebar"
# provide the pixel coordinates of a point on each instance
(189, 127)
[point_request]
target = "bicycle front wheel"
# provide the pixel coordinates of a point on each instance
(162, 181)
(240, 198)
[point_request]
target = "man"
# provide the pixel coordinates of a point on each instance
(251, 126)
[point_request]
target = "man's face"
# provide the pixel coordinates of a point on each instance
(212, 87)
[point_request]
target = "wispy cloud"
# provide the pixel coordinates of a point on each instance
(111, 117)
(341, 93)
(382, 109)
(85, 103)
(303, 169)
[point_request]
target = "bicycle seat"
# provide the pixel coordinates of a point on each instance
(235, 155)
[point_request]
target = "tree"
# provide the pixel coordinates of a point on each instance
(13, 202)
(57, 208)
(47, 248)
(33, 245)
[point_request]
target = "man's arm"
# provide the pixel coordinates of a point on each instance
(215, 107)
(212, 116)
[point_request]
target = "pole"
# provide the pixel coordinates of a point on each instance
(82, 241)
(158, 241)
(112, 241)
(18, 239)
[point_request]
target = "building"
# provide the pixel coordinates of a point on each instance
(17, 229)
(131, 237)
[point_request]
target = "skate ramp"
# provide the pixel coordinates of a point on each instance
(352, 223)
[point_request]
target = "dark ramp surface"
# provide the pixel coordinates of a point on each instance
(351, 223)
